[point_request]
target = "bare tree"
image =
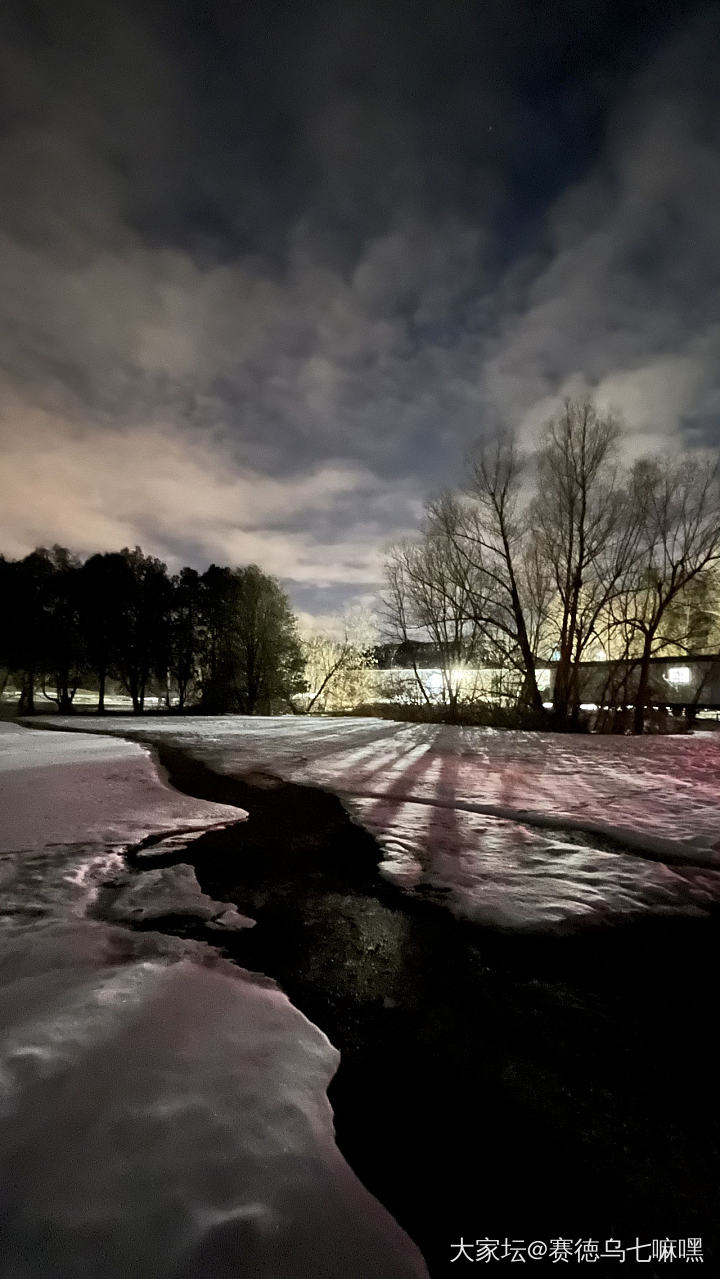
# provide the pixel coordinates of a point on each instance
(337, 667)
(677, 501)
(441, 597)
(585, 534)
(495, 539)
(596, 557)
(399, 612)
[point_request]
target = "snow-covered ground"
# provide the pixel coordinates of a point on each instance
(71, 806)
(162, 1113)
(520, 829)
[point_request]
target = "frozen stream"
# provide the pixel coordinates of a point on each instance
(521, 992)
(163, 1113)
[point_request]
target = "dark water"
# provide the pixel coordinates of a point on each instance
(491, 1084)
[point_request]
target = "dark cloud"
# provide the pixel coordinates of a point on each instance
(266, 270)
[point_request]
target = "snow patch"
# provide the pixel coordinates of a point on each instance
(167, 1116)
(173, 890)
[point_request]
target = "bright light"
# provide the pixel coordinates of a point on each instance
(601, 655)
(679, 675)
(433, 682)
(543, 679)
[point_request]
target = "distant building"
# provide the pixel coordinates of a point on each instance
(685, 683)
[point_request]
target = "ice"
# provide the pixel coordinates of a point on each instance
(71, 788)
(518, 829)
(71, 805)
(162, 1113)
(171, 891)
(167, 1117)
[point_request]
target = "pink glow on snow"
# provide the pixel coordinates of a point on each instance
(506, 827)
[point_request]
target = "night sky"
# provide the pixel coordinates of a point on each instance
(267, 269)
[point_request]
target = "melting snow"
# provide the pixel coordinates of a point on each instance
(171, 890)
(518, 829)
(161, 1112)
(167, 1117)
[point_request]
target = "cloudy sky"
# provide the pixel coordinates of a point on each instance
(266, 269)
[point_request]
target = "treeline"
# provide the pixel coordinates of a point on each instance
(564, 554)
(224, 640)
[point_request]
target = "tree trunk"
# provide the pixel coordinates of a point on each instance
(561, 690)
(642, 687)
(530, 688)
(27, 694)
(64, 697)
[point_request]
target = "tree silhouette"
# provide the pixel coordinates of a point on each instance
(227, 637)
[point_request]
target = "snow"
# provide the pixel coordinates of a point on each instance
(72, 805)
(171, 890)
(162, 1112)
(168, 1117)
(523, 830)
(60, 788)
(515, 876)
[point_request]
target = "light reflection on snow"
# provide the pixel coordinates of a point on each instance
(156, 1110)
(485, 819)
(503, 873)
(161, 1112)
